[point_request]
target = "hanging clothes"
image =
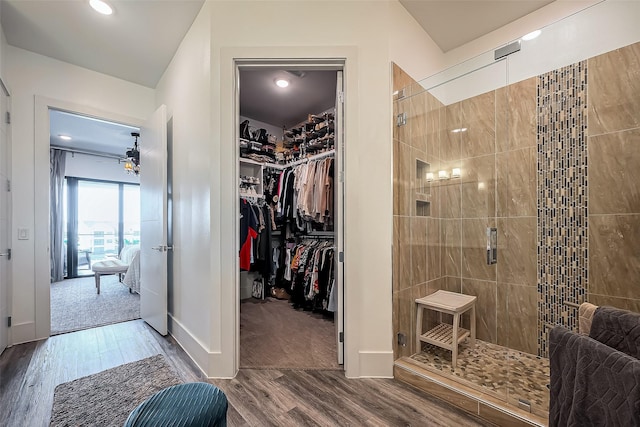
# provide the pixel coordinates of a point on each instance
(248, 232)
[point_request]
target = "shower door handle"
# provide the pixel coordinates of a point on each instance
(492, 245)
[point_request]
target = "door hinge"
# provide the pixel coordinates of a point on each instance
(341, 176)
(341, 97)
(341, 336)
(9, 321)
(341, 257)
(8, 118)
(401, 119)
(9, 185)
(7, 254)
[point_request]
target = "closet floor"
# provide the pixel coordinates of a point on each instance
(274, 335)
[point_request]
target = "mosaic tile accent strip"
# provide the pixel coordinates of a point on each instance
(506, 374)
(562, 198)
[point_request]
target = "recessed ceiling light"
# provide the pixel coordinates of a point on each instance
(532, 35)
(65, 137)
(282, 83)
(101, 7)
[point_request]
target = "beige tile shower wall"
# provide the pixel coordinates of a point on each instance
(516, 212)
(614, 178)
(468, 203)
(497, 157)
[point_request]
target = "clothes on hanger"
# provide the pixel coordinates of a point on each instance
(305, 194)
(307, 273)
(256, 219)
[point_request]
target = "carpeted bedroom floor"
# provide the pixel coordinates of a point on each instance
(75, 305)
(274, 335)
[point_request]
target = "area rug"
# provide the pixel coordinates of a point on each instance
(75, 305)
(107, 398)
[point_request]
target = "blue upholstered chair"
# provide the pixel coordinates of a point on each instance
(183, 405)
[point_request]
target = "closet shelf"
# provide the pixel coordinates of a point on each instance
(250, 162)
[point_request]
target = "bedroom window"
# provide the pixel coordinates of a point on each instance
(101, 217)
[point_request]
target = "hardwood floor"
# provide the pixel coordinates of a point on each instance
(30, 372)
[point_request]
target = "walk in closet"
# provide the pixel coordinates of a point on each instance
(289, 182)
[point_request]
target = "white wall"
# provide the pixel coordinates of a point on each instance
(410, 47)
(359, 32)
(185, 89)
(598, 29)
(201, 100)
(30, 76)
(572, 31)
(97, 167)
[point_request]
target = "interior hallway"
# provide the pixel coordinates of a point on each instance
(30, 372)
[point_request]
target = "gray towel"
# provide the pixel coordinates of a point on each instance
(619, 329)
(591, 383)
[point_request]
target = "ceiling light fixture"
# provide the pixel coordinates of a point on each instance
(132, 161)
(459, 130)
(101, 7)
(532, 35)
(282, 83)
(65, 137)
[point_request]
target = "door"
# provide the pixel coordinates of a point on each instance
(5, 221)
(339, 217)
(153, 221)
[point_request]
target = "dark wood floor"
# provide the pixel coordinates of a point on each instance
(30, 372)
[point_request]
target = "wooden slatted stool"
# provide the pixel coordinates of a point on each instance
(444, 335)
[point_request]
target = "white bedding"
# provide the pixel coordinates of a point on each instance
(132, 278)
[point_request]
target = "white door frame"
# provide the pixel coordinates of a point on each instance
(339, 217)
(41, 198)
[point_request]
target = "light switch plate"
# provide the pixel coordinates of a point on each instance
(23, 233)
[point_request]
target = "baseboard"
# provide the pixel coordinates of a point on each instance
(23, 332)
(190, 344)
(211, 363)
(376, 364)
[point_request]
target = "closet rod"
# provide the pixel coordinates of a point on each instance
(329, 153)
(319, 235)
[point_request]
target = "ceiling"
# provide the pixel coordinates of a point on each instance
(453, 23)
(136, 44)
(89, 134)
(309, 92)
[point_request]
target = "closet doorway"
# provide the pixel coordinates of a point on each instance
(290, 155)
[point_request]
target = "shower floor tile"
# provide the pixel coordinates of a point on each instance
(507, 374)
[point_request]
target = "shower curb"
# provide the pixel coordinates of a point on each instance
(469, 400)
